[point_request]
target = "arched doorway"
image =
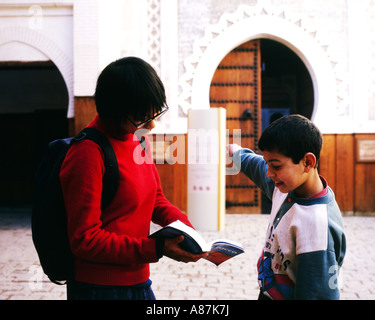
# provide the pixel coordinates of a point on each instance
(256, 81)
(33, 108)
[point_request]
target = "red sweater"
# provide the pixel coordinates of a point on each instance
(111, 247)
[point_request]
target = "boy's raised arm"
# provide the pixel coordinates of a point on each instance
(253, 166)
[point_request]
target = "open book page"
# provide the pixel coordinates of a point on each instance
(219, 250)
(193, 241)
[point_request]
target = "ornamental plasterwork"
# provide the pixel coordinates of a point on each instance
(154, 33)
(227, 20)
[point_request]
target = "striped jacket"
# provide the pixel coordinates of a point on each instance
(305, 241)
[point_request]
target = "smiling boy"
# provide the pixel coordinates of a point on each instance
(305, 241)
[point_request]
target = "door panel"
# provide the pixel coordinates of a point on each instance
(236, 86)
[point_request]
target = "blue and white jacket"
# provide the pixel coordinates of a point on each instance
(305, 241)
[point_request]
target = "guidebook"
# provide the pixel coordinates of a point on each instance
(219, 250)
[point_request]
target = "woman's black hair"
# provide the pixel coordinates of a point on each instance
(129, 87)
(292, 136)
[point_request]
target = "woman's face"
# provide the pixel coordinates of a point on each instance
(131, 125)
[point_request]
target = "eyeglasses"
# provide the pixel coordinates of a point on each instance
(155, 117)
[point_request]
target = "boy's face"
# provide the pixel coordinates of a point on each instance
(287, 175)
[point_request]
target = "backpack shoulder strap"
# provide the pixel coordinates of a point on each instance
(111, 173)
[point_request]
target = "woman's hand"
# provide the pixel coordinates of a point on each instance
(173, 250)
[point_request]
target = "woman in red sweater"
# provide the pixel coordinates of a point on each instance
(111, 247)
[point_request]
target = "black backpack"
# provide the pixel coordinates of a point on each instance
(49, 221)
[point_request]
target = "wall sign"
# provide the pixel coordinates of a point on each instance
(365, 150)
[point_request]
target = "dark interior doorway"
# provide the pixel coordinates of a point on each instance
(287, 87)
(33, 108)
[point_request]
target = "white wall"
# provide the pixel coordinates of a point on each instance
(361, 30)
(329, 40)
(178, 38)
(86, 46)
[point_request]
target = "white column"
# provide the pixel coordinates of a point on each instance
(361, 64)
(206, 168)
(86, 46)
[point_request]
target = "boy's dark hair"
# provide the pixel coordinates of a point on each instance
(129, 87)
(292, 136)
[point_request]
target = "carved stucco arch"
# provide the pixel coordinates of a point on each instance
(49, 48)
(249, 23)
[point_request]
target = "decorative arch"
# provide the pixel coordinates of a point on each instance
(249, 23)
(50, 49)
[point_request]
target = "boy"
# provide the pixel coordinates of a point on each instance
(305, 241)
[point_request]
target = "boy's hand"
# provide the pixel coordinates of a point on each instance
(173, 250)
(232, 148)
(233, 166)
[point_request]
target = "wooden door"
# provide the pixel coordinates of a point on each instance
(236, 86)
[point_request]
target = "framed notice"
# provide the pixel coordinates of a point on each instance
(365, 150)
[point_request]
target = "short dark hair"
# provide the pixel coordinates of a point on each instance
(129, 87)
(292, 136)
